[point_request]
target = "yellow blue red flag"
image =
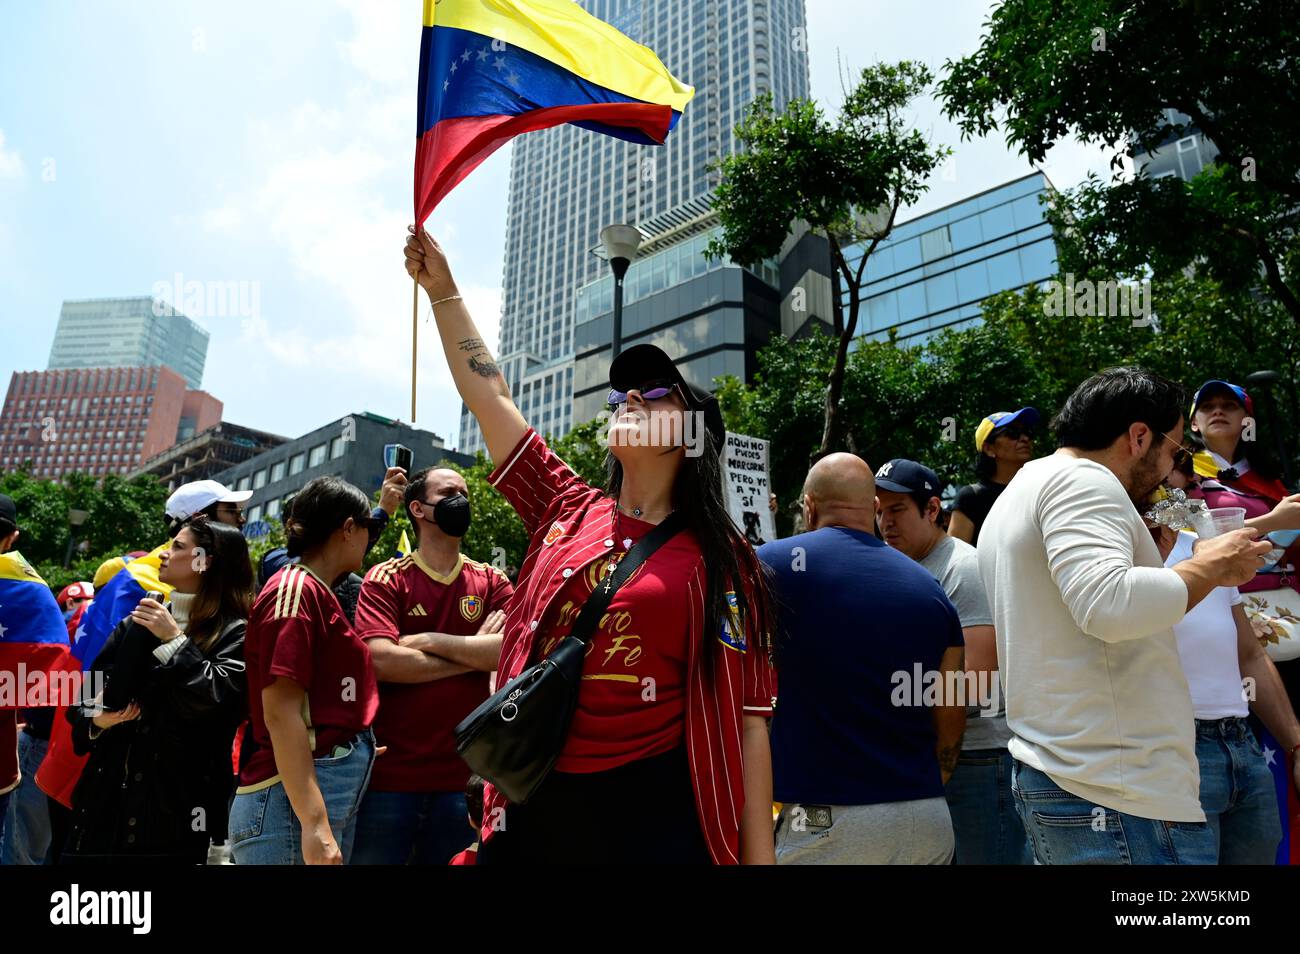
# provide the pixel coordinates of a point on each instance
(492, 69)
(32, 630)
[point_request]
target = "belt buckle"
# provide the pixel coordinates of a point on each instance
(803, 817)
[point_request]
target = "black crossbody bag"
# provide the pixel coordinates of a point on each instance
(515, 736)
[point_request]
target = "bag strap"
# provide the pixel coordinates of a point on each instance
(598, 601)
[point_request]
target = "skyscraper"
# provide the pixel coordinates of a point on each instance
(566, 183)
(128, 333)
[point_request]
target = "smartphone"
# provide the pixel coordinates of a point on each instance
(398, 455)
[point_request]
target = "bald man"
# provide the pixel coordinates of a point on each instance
(432, 621)
(868, 654)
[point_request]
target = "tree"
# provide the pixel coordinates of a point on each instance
(122, 515)
(847, 179)
(1111, 72)
(924, 402)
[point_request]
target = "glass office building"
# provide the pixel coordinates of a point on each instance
(128, 333)
(566, 183)
(933, 271)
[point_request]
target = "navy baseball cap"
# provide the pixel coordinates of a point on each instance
(903, 476)
(7, 509)
(1234, 391)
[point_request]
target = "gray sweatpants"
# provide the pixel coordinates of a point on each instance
(888, 833)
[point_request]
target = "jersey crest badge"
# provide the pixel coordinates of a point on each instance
(733, 632)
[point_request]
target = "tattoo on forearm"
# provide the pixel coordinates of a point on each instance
(484, 367)
(471, 345)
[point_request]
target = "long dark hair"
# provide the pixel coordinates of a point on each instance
(225, 591)
(728, 556)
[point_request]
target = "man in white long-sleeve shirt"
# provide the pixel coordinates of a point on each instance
(1104, 736)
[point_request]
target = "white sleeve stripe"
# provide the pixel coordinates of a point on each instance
(505, 470)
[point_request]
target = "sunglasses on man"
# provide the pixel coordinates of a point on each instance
(1183, 455)
(650, 391)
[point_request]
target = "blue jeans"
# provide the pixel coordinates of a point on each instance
(27, 823)
(1237, 792)
(1067, 830)
(984, 816)
(264, 829)
(419, 828)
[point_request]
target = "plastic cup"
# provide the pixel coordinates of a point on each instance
(1221, 520)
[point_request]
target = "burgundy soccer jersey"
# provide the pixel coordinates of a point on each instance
(632, 702)
(728, 674)
(404, 596)
(298, 631)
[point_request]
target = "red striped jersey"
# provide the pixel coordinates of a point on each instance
(404, 596)
(298, 630)
(727, 674)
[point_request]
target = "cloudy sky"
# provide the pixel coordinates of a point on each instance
(271, 143)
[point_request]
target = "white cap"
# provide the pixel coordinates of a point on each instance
(189, 499)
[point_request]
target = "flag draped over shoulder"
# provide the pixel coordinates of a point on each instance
(114, 602)
(61, 768)
(32, 631)
(492, 69)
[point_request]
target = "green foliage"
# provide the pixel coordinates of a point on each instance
(1106, 71)
(846, 178)
(584, 449)
(924, 402)
(123, 515)
(801, 165)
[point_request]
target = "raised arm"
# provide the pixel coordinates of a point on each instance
(480, 382)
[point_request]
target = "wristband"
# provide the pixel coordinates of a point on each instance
(448, 298)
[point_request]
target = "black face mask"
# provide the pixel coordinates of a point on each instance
(451, 514)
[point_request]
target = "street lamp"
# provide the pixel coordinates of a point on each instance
(75, 519)
(1264, 380)
(621, 243)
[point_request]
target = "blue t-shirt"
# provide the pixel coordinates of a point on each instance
(852, 613)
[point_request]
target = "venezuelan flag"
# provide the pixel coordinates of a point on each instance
(403, 545)
(114, 602)
(61, 769)
(492, 69)
(32, 631)
(1288, 804)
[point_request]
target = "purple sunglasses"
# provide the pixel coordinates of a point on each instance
(651, 391)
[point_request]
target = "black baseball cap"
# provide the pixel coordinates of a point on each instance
(644, 362)
(8, 511)
(903, 476)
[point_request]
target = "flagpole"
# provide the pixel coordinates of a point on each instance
(415, 327)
